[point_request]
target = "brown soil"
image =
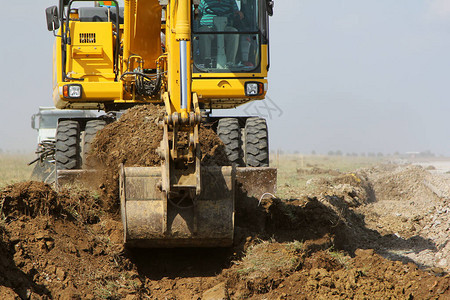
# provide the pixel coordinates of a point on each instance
(289, 271)
(66, 246)
(30, 199)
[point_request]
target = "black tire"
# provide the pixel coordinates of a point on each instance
(92, 127)
(229, 132)
(67, 154)
(256, 143)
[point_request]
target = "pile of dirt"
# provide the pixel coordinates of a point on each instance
(398, 183)
(29, 198)
(133, 140)
(400, 211)
(354, 188)
(212, 147)
(411, 205)
(307, 218)
(296, 271)
(55, 244)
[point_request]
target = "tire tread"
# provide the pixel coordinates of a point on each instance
(256, 148)
(67, 154)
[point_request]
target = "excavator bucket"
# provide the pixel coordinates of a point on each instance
(151, 219)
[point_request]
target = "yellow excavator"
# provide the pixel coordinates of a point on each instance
(193, 57)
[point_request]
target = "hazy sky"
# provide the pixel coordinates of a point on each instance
(349, 75)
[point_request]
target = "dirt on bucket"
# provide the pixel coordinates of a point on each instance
(133, 140)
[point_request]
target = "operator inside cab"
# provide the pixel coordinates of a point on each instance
(105, 4)
(226, 36)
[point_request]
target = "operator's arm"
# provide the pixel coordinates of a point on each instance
(201, 8)
(236, 9)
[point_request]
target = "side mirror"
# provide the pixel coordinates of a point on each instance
(269, 7)
(33, 121)
(52, 18)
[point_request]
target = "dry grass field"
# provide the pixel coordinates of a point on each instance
(13, 168)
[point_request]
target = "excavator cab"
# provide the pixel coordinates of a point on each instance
(230, 50)
(227, 38)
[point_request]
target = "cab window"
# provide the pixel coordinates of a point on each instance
(226, 36)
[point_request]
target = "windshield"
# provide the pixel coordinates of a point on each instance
(222, 15)
(226, 36)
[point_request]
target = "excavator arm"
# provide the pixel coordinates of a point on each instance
(180, 203)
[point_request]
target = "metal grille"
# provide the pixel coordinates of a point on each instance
(87, 38)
